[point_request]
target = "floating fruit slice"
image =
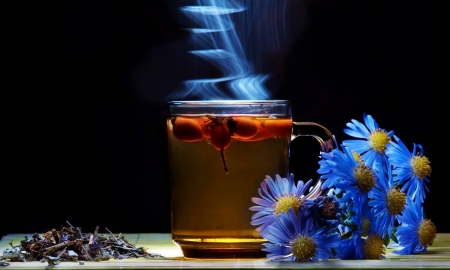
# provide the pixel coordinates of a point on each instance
(260, 135)
(187, 129)
(278, 127)
(244, 127)
(206, 127)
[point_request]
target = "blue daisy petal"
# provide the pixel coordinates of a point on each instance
(407, 233)
(363, 145)
(402, 162)
(271, 191)
(288, 228)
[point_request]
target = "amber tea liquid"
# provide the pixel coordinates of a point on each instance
(213, 179)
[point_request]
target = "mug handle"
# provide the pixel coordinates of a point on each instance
(324, 137)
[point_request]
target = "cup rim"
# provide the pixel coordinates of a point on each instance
(227, 102)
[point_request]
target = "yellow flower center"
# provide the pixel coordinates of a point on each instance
(378, 140)
(374, 247)
(365, 227)
(304, 248)
(396, 201)
(286, 202)
(426, 232)
(365, 178)
(356, 156)
(421, 166)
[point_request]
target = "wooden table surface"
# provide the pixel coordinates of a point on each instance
(437, 257)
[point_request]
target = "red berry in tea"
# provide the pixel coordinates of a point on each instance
(220, 135)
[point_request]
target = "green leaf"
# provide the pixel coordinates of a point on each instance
(346, 235)
(393, 236)
(386, 240)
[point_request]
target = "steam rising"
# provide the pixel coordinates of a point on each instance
(219, 41)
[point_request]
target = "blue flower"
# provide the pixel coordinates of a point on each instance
(415, 232)
(294, 237)
(278, 196)
(410, 169)
(351, 175)
(357, 228)
(387, 201)
(351, 248)
(372, 190)
(374, 247)
(326, 169)
(372, 147)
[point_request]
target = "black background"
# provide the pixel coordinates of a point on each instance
(86, 98)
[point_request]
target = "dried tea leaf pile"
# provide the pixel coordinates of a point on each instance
(71, 244)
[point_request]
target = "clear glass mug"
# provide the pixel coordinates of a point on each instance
(219, 153)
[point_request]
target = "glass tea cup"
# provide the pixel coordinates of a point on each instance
(219, 153)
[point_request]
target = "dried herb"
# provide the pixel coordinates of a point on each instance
(71, 244)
